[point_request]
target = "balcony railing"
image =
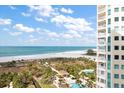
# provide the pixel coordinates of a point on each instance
(101, 43)
(101, 59)
(101, 67)
(101, 34)
(102, 50)
(101, 8)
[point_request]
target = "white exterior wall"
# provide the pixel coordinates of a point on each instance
(113, 43)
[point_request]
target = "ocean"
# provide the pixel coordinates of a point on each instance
(6, 51)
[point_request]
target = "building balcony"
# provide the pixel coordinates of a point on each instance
(101, 44)
(101, 8)
(101, 34)
(101, 76)
(102, 59)
(102, 31)
(101, 27)
(101, 19)
(101, 85)
(101, 51)
(101, 67)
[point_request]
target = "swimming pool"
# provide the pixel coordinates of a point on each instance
(74, 85)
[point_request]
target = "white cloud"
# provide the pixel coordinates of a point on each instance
(23, 28)
(67, 36)
(5, 29)
(5, 21)
(12, 7)
(33, 40)
(39, 19)
(70, 23)
(68, 11)
(75, 34)
(31, 36)
(51, 34)
(25, 14)
(15, 33)
(42, 10)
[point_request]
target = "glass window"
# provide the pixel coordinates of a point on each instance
(122, 66)
(116, 28)
(109, 39)
(109, 30)
(122, 76)
(109, 57)
(122, 47)
(116, 37)
(122, 57)
(116, 66)
(116, 85)
(116, 10)
(109, 48)
(116, 47)
(122, 9)
(116, 19)
(122, 85)
(116, 76)
(122, 28)
(109, 76)
(122, 19)
(109, 80)
(116, 57)
(109, 21)
(122, 38)
(109, 12)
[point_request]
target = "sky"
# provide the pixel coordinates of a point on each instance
(48, 25)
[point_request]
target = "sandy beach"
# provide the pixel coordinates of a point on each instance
(73, 54)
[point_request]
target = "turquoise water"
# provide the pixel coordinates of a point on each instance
(31, 50)
(74, 85)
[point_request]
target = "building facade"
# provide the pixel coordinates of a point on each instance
(110, 46)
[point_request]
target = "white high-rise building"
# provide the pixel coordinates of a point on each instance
(110, 46)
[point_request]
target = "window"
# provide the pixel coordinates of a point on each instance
(116, 19)
(116, 37)
(122, 85)
(122, 28)
(116, 85)
(116, 76)
(109, 39)
(109, 80)
(116, 28)
(109, 30)
(116, 10)
(122, 66)
(116, 57)
(122, 19)
(116, 47)
(122, 38)
(122, 57)
(109, 12)
(122, 76)
(122, 9)
(102, 72)
(122, 47)
(116, 66)
(109, 48)
(109, 57)
(102, 81)
(109, 21)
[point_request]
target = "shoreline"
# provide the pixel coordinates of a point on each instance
(69, 54)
